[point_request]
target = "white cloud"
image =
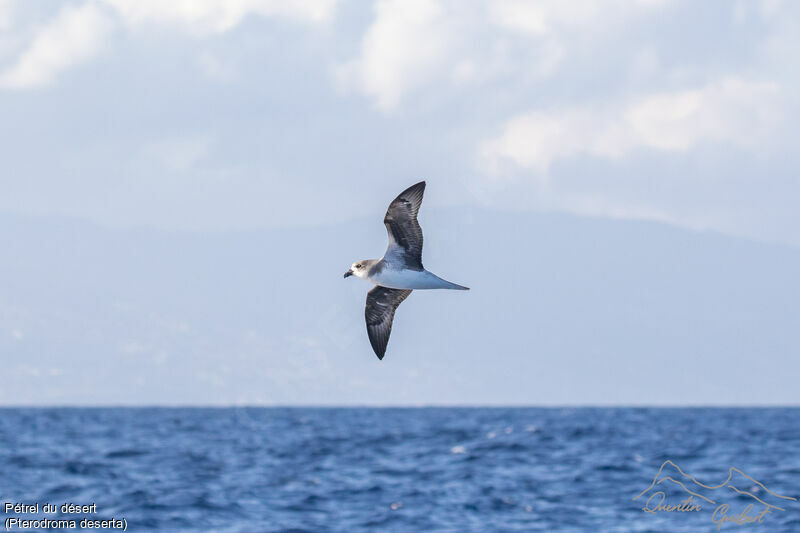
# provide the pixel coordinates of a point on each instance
(217, 15)
(5, 14)
(79, 33)
(414, 44)
(76, 34)
(769, 8)
(549, 16)
(540, 18)
(405, 44)
(731, 110)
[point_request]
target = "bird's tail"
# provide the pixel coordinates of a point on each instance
(432, 281)
(454, 286)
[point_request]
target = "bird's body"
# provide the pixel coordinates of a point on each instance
(400, 269)
(386, 274)
(412, 279)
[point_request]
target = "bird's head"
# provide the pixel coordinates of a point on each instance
(358, 269)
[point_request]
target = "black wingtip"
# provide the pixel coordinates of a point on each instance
(417, 187)
(379, 350)
(376, 347)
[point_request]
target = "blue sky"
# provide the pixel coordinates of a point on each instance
(262, 114)
(184, 183)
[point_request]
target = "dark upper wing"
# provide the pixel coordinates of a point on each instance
(379, 312)
(405, 233)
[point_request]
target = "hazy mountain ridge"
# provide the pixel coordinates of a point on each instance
(96, 315)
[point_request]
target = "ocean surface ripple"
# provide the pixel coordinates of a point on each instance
(395, 470)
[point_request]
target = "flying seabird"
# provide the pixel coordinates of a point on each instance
(400, 269)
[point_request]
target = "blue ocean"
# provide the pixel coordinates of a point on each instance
(399, 470)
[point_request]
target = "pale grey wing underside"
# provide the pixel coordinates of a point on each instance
(379, 312)
(405, 233)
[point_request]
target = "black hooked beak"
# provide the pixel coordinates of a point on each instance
(348, 273)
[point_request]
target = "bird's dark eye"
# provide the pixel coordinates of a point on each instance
(358, 266)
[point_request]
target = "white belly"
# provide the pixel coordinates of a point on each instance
(408, 279)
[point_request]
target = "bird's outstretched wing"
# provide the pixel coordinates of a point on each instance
(405, 233)
(379, 312)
